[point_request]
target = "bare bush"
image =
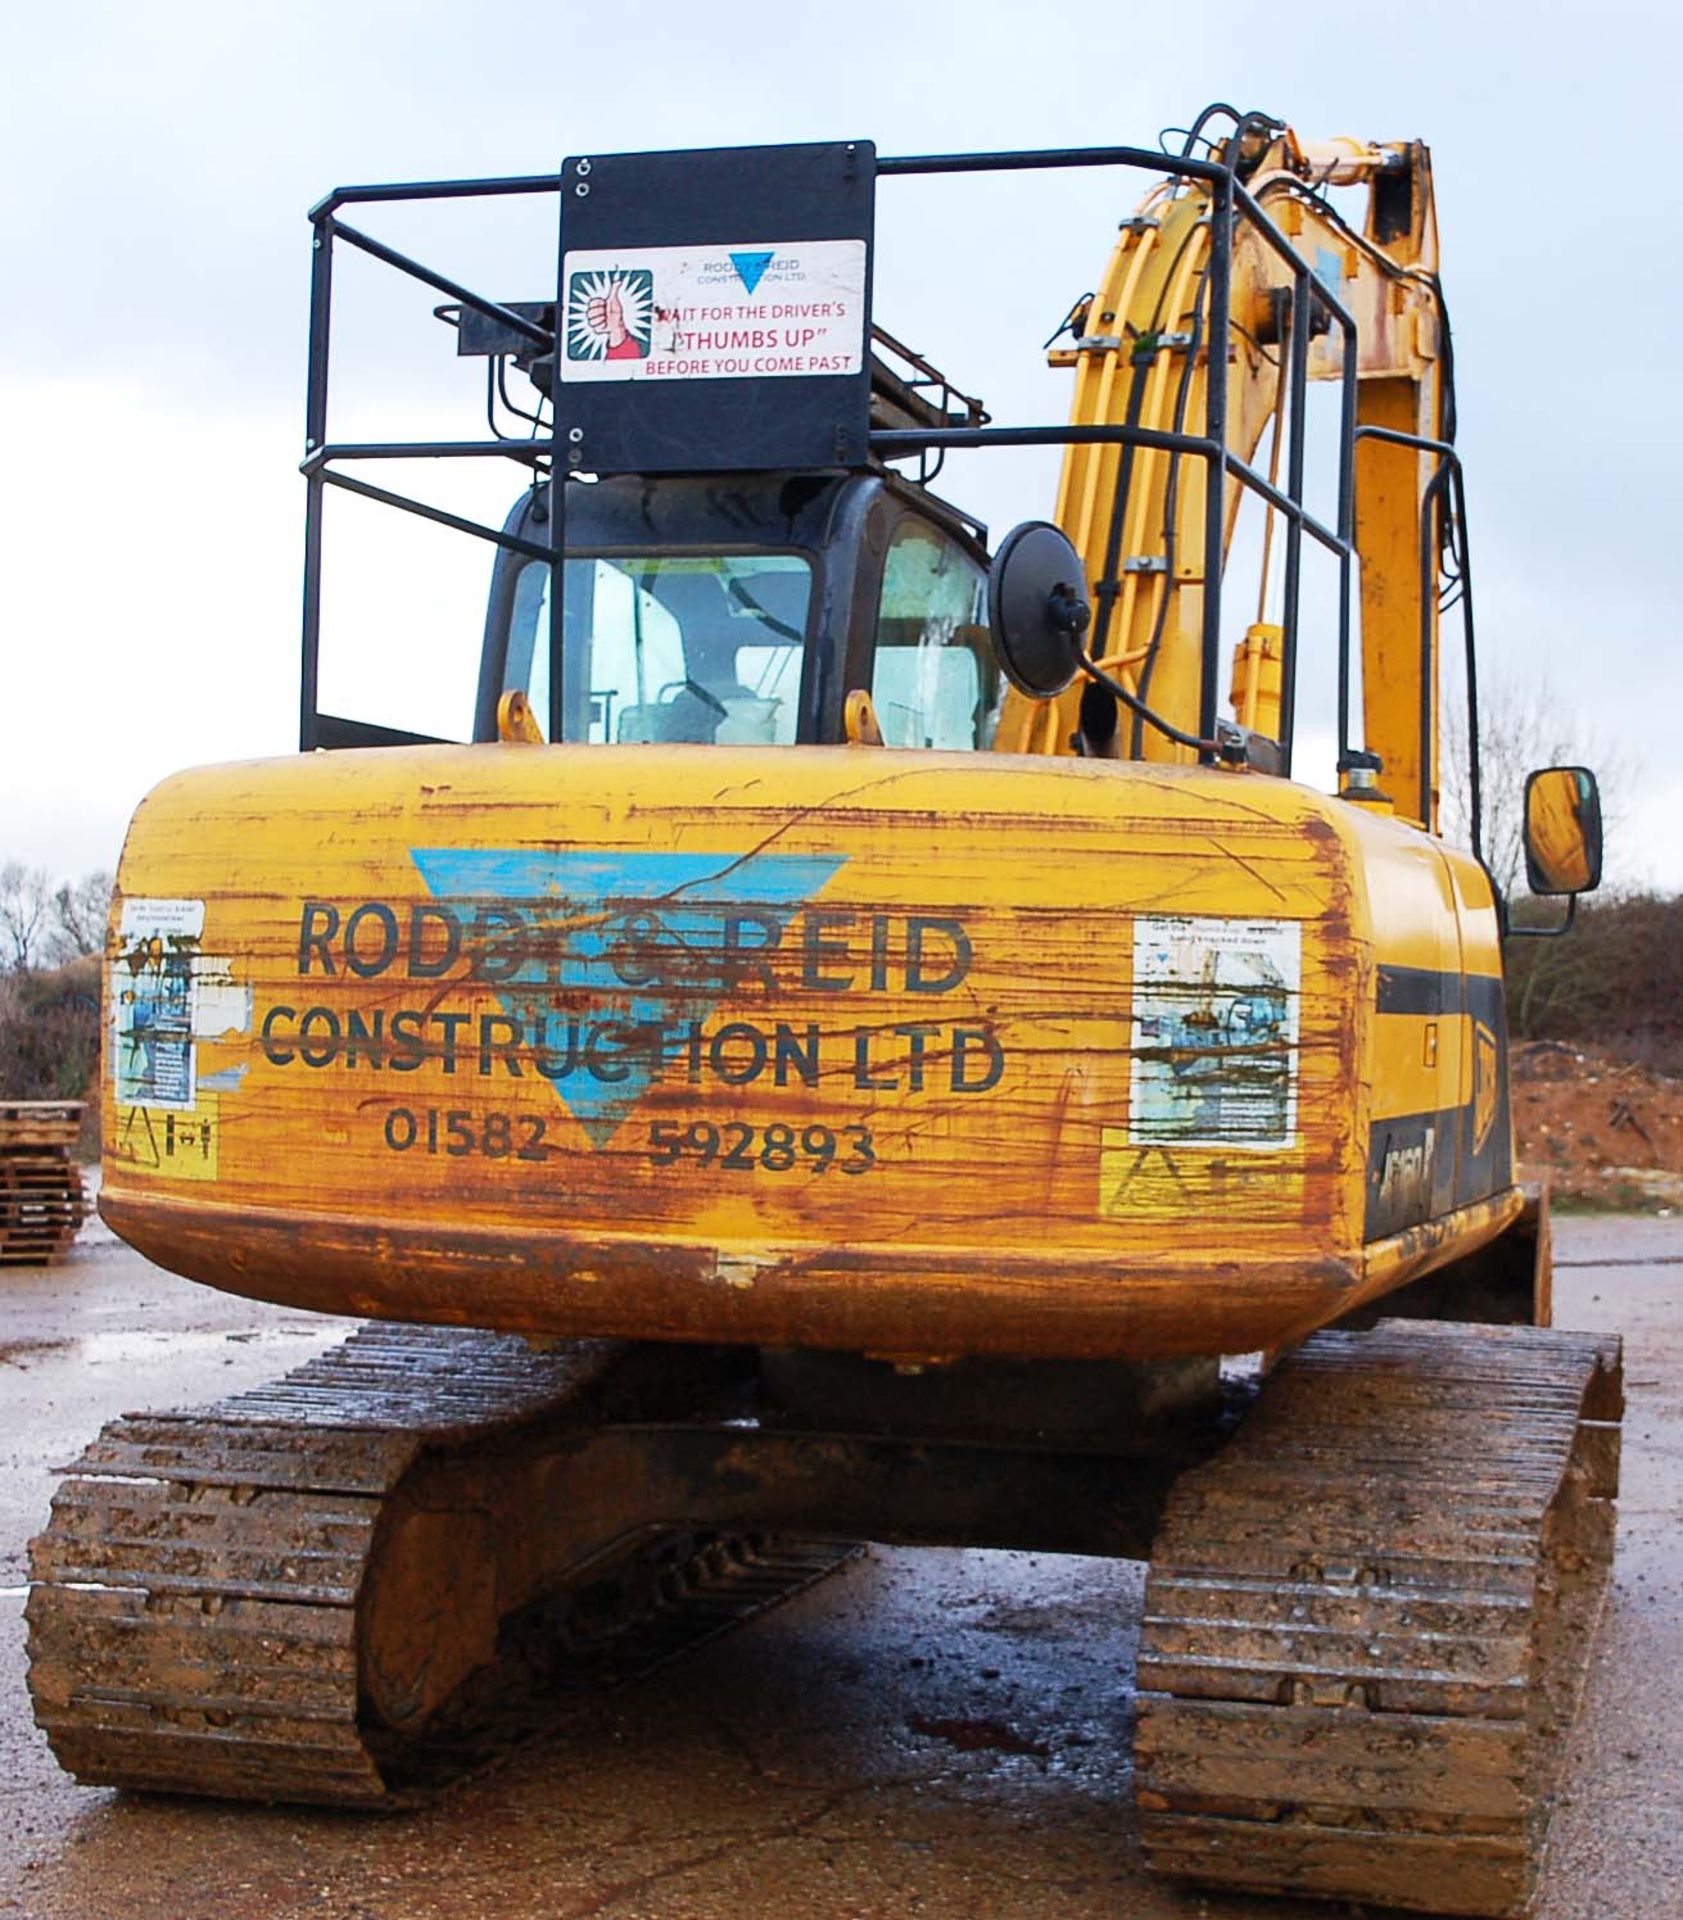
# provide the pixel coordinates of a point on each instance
(1523, 727)
(80, 911)
(49, 1033)
(1615, 980)
(46, 925)
(26, 915)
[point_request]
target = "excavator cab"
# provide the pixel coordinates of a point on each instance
(741, 609)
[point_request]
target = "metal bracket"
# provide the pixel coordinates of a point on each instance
(1149, 343)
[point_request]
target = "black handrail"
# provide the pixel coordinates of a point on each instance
(1230, 204)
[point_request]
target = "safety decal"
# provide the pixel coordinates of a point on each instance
(1487, 1084)
(748, 310)
(1215, 1032)
(153, 1001)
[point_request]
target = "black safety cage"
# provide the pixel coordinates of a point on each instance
(1231, 207)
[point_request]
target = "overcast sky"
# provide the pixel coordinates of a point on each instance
(160, 159)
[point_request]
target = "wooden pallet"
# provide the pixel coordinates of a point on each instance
(28, 1124)
(42, 1204)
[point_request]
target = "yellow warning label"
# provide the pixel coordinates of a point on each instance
(1168, 1183)
(1486, 1083)
(177, 1146)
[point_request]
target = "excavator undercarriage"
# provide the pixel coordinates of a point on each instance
(1367, 1612)
(346, 1586)
(349, 1586)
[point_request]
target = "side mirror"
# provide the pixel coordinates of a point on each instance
(1038, 614)
(1037, 609)
(1562, 831)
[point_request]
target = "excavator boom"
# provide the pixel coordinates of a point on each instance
(1137, 513)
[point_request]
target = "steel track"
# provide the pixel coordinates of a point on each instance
(194, 1617)
(1367, 1620)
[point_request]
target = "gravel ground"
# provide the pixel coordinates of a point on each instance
(936, 1734)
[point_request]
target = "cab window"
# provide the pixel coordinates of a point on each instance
(935, 683)
(674, 647)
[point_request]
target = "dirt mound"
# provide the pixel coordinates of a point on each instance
(1605, 1132)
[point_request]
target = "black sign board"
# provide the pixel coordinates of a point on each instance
(714, 309)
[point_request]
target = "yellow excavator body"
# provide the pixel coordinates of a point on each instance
(908, 1053)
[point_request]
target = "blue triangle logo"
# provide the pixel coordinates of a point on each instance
(621, 953)
(750, 267)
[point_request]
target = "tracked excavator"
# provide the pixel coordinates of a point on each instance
(860, 1038)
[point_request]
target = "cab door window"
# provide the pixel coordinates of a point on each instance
(934, 683)
(672, 647)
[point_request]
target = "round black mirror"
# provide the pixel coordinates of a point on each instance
(1037, 608)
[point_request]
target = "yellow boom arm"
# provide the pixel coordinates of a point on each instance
(1137, 515)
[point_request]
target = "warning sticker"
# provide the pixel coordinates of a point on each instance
(177, 1146)
(152, 1002)
(750, 310)
(1215, 1032)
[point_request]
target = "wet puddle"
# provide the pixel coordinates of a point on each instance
(130, 1345)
